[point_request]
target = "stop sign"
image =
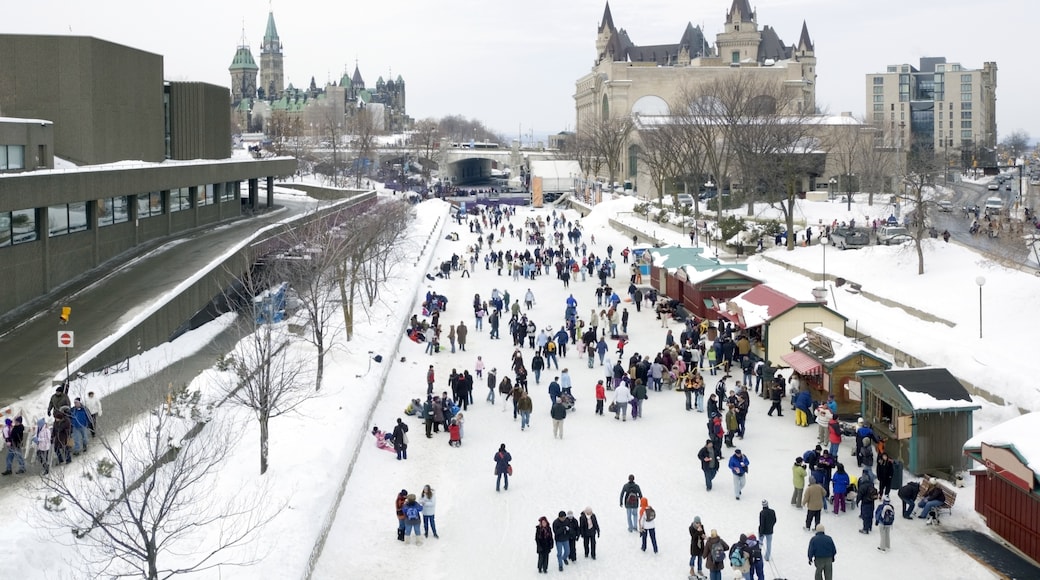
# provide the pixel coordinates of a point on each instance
(65, 339)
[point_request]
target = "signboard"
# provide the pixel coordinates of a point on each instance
(536, 192)
(65, 339)
(1006, 464)
(855, 389)
(904, 426)
(820, 344)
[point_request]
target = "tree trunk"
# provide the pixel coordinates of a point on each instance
(264, 418)
(153, 557)
(321, 364)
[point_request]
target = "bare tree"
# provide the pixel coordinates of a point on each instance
(605, 140)
(332, 125)
(363, 130)
(918, 184)
(877, 162)
(140, 508)
(270, 378)
(425, 142)
(845, 145)
(368, 239)
(309, 266)
(659, 153)
(282, 129)
(1015, 144)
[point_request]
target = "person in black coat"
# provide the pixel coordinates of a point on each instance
(572, 539)
(885, 472)
(588, 527)
(709, 459)
(401, 439)
(766, 523)
(543, 541)
(908, 495)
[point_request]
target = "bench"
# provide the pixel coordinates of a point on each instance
(949, 495)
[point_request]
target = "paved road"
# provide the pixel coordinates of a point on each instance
(103, 299)
(1006, 247)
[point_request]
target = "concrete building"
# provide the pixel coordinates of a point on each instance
(939, 107)
(142, 160)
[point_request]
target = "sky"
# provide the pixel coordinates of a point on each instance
(589, 465)
(515, 69)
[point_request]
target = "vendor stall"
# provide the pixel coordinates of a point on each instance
(827, 362)
(924, 414)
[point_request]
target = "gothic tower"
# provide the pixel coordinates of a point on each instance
(604, 33)
(741, 39)
(243, 74)
(805, 54)
(272, 71)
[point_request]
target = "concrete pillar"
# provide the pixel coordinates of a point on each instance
(270, 191)
(254, 193)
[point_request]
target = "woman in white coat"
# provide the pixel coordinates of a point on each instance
(622, 397)
(429, 504)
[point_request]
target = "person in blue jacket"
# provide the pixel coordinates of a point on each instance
(802, 405)
(738, 464)
(571, 301)
(81, 425)
(822, 553)
(839, 486)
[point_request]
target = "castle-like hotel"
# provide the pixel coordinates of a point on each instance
(253, 105)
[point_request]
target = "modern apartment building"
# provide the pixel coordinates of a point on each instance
(938, 106)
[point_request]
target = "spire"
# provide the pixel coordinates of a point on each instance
(804, 42)
(742, 8)
(271, 41)
(608, 21)
(356, 80)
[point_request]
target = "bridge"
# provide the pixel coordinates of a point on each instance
(464, 163)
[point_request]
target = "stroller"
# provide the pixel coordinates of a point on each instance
(567, 399)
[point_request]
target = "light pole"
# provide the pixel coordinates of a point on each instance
(981, 281)
(834, 184)
(707, 190)
(848, 190)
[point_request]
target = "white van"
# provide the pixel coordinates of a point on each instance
(994, 206)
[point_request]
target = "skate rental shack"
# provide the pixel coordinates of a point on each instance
(1007, 487)
(925, 415)
(828, 361)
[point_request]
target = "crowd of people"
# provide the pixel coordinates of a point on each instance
(710, 363)
(63, 432)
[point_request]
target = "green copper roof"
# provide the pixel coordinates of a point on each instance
(243, 60)
(271, 34)
(399, 80)
(345, 81)
(365, 96)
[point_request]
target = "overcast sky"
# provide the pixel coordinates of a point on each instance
(513, 65)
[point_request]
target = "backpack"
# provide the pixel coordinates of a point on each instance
(736, 557)
(650, 514)
(718, 553)
(888, 515)
(631, 501)
(412, 512)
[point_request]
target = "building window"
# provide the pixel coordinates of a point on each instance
(12, 157)
(41, 156)
(878, 90)
(17, 227)
(633, 160)
(966, 78)
(965, 124)
(891, 68)
(230, 191)
(965, 106)
(965, 134)
(965, 114)
(879, 99)
(149, 204)
(965, 87)
(965, 97)
(879, 80)
(204, 195)
(904, 97)
(735, 57)
(67, 218)
(879, 107)
(879, 117)
(113, 210)
(180, 199)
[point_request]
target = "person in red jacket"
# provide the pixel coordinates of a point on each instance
(601, 395)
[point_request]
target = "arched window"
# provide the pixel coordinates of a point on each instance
(633, 160)
(606, 108)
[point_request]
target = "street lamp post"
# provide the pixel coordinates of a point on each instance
(707, 190)
(848, 191)
(834, 184)
(981, 281)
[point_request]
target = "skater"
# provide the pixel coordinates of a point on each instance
(766, 523)
(884, 517)
(502, 467)
(543, 541)
(399, 508)
(697, 538)
(562, 531)
(813, 500)
(647, 523)
(429, 505)
(709, 458)
(630, 496)
(412, 518)
(798, 478)
(401, 439)
(715, 550)
(821, 553)
(738, 464)
(588, 527)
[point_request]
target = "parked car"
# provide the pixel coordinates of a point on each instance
(846, 238)
(945, 205)
(993, 186)
(889, 235)
(684, 199)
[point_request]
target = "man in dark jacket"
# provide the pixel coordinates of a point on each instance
(562, 531)
(630, 496)
(588, 527)
(401, 439)
(558, 413)
(59, 399)
(908, 495)
(822, 553)
(766, 523)
(572, 539)
(776, 395)
(14, 434)
(709, 458)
